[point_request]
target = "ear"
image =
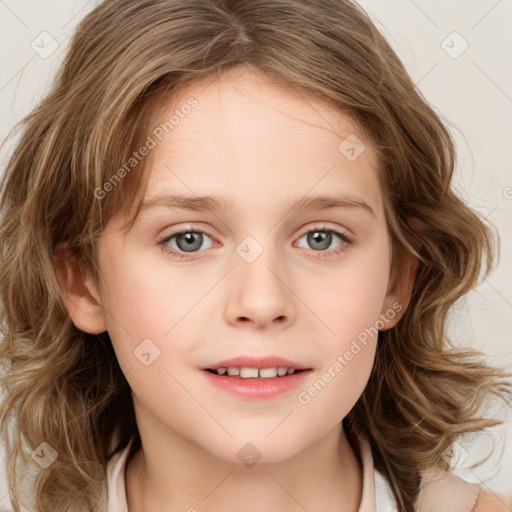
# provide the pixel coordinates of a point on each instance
(79, 293)
(398, 295)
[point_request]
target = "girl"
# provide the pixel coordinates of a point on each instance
(294, 357)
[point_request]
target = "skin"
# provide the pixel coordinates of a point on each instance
(262, 146)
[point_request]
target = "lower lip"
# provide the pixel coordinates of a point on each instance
(257, 388)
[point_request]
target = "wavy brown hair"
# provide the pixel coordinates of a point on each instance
(126, 60)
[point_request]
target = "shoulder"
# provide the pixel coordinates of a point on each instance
(491, 502)
(442, 490)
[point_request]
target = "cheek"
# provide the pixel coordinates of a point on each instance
(331, 394)
(349, 304)
(134, 304)
(347, 355)
(153, 315)
(348, 298)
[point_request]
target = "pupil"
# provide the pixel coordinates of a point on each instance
(193, 241)
(321, 237)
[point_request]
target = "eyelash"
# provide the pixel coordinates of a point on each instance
(346, 239)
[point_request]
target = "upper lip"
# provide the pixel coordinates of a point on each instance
(257, 362)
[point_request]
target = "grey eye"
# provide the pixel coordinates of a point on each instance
(187, 241)
(319, 239)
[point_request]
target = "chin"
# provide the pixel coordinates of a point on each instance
(254, 450)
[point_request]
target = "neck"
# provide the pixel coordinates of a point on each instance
(326, 477)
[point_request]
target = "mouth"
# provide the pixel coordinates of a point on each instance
(256, 378)
(256, 366)
(255, 373)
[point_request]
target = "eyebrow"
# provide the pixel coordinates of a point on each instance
(215, 204)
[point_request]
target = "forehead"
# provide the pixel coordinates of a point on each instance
(251, 102)
(257, 140)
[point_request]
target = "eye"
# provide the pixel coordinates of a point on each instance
(321, 238)
(185, 241)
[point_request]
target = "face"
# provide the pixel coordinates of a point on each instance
(258, 275)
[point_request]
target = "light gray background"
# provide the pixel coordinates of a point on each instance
(471, 90)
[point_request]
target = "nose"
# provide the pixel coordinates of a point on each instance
(259, 294)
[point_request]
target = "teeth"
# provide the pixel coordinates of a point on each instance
(268, 373)
(252, 373)
(247, 373)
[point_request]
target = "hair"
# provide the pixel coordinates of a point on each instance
(126, 60)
